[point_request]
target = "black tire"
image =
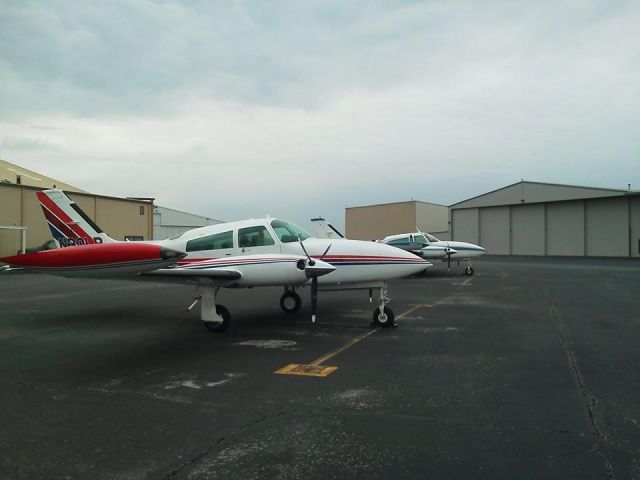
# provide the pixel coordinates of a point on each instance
(215, 327)
(290, 302)
(387, 319)
(468, 271)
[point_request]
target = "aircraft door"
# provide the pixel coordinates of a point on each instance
(256, 240)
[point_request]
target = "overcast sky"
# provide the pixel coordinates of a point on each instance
(298, 109)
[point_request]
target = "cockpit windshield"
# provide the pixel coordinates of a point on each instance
(420, 239)
(431, 238)
(288, 232)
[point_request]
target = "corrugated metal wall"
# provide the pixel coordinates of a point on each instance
(118, 217)
(607, 227)
(10, 215)
(494, 230)
(527, 230)
(464, 225)
(565, 228)
(602, 227)
(634, 220)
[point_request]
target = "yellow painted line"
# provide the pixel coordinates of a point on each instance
(306, 370)
(353, 341)
(316, 369)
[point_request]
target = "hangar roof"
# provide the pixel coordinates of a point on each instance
(14, 174)
(536, 192)
(396, 203)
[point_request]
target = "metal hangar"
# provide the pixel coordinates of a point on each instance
(533, 218)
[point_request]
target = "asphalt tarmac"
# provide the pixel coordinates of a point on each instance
(528, 369)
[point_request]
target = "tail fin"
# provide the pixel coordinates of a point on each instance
(69, 225)
(324, 229)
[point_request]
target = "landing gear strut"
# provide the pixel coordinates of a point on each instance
(383, 316)
(290, 301)
(216, 318)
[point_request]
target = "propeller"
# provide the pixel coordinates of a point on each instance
(313, 273)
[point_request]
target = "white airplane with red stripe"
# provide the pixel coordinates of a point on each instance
(247, 253)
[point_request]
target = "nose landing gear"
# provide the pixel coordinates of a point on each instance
(383, 316)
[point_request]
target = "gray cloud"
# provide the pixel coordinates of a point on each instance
(328, 103)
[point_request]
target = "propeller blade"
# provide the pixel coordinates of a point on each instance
(448, 256)
(311, 262)
(325, 252)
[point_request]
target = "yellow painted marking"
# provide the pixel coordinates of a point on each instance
(311, 369)
(306, 370)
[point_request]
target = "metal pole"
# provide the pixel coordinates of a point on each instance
(24, 240)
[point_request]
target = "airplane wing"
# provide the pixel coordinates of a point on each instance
(120, 259)
(212, 276)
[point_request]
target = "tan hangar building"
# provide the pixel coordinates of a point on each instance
(21, 215)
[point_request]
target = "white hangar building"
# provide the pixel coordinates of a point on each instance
(168, 222)
(531, 218)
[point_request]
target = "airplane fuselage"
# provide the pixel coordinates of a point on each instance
(355, 261)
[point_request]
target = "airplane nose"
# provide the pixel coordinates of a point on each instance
(318, 269)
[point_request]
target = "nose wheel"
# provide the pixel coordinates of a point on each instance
(383, 316)
(290, 301)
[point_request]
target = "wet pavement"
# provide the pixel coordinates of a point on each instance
(528, 369)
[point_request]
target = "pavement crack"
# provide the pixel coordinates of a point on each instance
(235, 432)
(588, 398)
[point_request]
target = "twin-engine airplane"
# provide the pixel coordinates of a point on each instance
(422, 244)
(426, 245)
(248, 253)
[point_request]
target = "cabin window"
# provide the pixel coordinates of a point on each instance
(420, 239)
(288, 232)
(211, 242)
(254, 237)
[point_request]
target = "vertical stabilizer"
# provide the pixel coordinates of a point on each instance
(69, 225)
(324, 229)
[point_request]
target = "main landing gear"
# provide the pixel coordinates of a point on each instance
(216, 318)
(290, 301)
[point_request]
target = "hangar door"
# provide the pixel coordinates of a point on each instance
(608, 227)
(565, 228)
(527, 230)
(495, 230)
(465, 225)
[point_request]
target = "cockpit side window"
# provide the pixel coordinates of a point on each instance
(257, 236)
(420, 239)
(288, 232)
(211, 242)
(399, 241)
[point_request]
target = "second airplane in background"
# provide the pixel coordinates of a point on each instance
(427, 246)
(419, 243)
